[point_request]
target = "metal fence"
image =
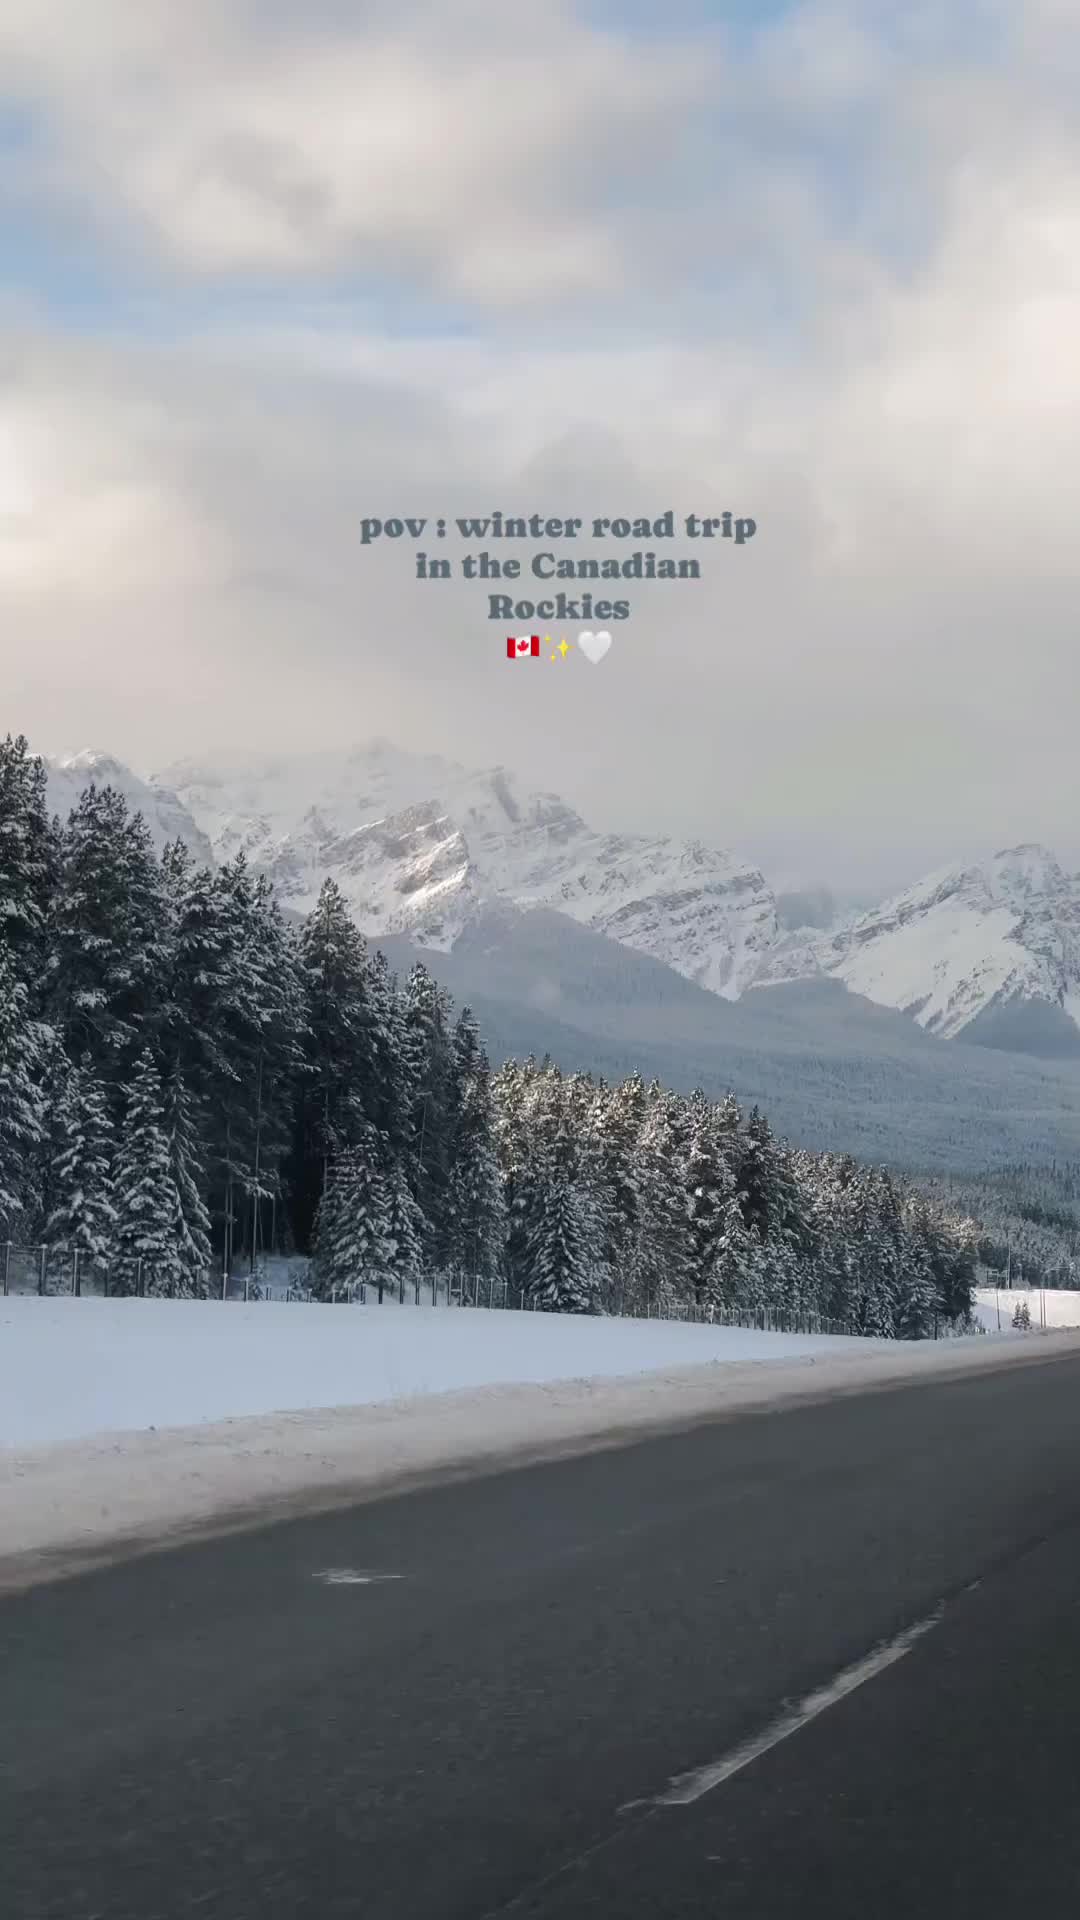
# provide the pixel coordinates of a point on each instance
(60, 1271)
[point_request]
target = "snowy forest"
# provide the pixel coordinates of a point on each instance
(190, 1079)
(1029, 1221)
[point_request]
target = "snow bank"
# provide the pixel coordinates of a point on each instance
(68, 1366)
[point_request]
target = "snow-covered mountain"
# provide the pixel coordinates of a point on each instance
(417, 843)
(166, 817)
(958, 949)
(421, 846)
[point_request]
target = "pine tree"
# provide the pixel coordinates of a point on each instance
(736, 1279)
(387, 1101)
(269, 1056)
(28, 863)
(403, 1234)
(474, 1210)
(109, 931)
(21, 1107)
(145, 1255)
(52, 1073)
(84, 1219)
(562, 1250)
(342, 1066)
(428, 1077)
(352, 1224)
(615, 1127)
(513, 1091)
(919, 1290)
(708, 1186)
(191, 1227)
(760, 1177)
(666, 1241)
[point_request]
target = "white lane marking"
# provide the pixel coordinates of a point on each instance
(352, 1577)
(687, 1787)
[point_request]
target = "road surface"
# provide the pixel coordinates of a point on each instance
(849, 1634)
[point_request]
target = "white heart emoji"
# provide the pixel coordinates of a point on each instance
(594, 645)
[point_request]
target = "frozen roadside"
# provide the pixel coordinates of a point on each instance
(66, 1506)
(74, 1367)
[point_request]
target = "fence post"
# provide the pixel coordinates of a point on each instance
(75, 1283)
(41, 1270)
(7, 1266)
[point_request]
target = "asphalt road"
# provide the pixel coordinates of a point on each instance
(221, 1732)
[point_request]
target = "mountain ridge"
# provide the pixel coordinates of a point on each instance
(420, 845)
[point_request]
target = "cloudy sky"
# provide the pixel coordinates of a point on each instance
(272, 266)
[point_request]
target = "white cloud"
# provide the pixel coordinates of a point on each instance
(892, 666)
(451, 145)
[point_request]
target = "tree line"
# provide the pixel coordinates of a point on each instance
(189, 1079)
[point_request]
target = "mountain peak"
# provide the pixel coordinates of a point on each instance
(421, 845)
(166, 817)
(416, 842)
(1027, 869)
(93, 763)
(962, 944)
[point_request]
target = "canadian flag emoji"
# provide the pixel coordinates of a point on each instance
(521, 645)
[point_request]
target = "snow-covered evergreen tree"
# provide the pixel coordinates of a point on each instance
(267, 1058)
(83, 1220)
(562, 1249)
(352, 1224)
(666, 1244)
(28, 864)
(403, 1233)
(736, 1281)
(109, 929)
(52, 1073)
(144, 1253)
(428, 1074)
(340, 1042)
(615, 1126)
(514, 1096)
(758, 1174)
(708, 1185)
(21, 1107)
(191, 1227)
(473, 1239)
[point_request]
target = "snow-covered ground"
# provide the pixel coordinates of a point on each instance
(1049, 1307)
(128, 1424)
(74, 1367)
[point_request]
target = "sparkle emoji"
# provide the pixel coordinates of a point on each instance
(561, 648)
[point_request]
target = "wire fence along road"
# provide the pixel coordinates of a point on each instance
(53, 1272)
